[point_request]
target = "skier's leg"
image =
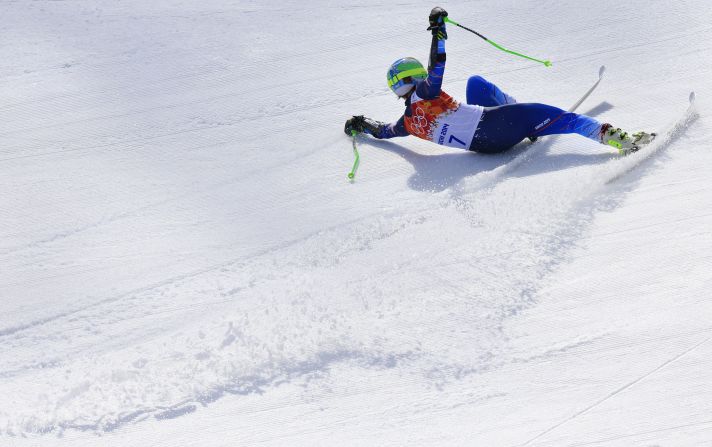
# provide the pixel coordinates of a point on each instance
(502, 127)
(483, 93)
(563, 122)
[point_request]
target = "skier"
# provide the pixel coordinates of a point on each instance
(491, 121)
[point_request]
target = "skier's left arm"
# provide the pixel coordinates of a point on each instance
(377, 129)
(436, 65)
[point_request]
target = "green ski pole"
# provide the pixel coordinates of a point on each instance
(496, 45)
(352, 174)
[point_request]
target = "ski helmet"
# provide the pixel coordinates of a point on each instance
(402, 73)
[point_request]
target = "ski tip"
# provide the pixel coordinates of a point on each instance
(692, 97)
(601, 71)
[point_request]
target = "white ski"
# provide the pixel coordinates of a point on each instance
(487, 179)
(662, 140)
(601, 71)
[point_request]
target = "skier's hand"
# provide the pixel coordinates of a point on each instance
(439, 32)
(355, 123)
(437, 22)
(437, 16)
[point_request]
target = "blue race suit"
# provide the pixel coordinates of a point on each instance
(505, 122)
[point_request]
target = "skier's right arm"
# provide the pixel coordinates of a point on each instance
(436, 65)
(377, 129)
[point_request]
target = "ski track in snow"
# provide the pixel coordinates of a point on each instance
(284, 371)
(162, 250)
(617, 391)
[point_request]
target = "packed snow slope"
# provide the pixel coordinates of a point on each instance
(183, 261)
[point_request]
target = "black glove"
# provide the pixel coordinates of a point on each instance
(437, 22)
(361, 124)
(355, 123)
(439, 32)
(437, 16)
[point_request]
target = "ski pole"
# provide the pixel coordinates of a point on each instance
(352, 174)
(496, 45)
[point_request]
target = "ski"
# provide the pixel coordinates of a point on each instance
(526, 154)
(662, 140)
(601, 72)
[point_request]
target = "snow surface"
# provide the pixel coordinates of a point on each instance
(183, 261)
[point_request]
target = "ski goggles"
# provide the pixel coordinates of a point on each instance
(398, 77)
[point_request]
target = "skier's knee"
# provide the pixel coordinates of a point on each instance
(478, 91)
(477, 81)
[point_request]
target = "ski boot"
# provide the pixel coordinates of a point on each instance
(623, 141)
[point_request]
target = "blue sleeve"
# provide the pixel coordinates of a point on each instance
(385, 131)
(431, 87)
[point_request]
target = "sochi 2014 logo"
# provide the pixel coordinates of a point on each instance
(420, 123)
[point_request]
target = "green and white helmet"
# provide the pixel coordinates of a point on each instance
(402, 73)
